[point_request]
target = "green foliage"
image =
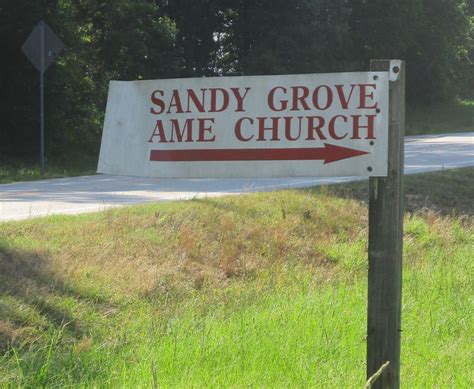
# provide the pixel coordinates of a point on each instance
(447, 117)
(198, 23)
(104, 41)
(278, 37)
(152, 39)
(15, 170)
(430, 35)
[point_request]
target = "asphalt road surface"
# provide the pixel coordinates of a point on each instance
(74, 195)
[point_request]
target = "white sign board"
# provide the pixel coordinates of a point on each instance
(259, 126)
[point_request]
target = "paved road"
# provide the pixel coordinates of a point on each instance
(94, 193)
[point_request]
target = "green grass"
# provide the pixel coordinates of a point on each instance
(13, 170)
(448, 192)
(443, 118)
(259, 290)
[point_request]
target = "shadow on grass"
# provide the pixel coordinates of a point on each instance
(33, 300)
(448, 193)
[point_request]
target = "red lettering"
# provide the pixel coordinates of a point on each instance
(370, 126)
(225, 99)
(199, 104)
(364, 95)
(188, 128)
(175, 102)
(288, 120)
(262, 128)
(342, 97)
(315, 127)
(240, 98)
(158, 131)
(316, 97)
(271, 97)
(157, 101)
(300, 98)
(205, 129)
(238, 130)
(332, 127)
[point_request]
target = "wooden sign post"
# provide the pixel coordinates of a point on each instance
(339, 124)
(386, 242)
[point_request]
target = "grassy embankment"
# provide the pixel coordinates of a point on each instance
(13, 170)
(441, 118)
(257, 290)
(444, 118)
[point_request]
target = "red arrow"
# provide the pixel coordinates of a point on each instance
(329, 153)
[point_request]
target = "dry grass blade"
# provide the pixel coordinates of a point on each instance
(376, 375)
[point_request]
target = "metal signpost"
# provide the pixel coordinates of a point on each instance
(42, 47)
(345, 124)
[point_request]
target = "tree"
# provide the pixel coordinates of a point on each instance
(277, 37)
(104, 41)
(19, 80)
(151, 39)
(427, 34)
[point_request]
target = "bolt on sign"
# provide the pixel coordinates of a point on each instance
(259, 126)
